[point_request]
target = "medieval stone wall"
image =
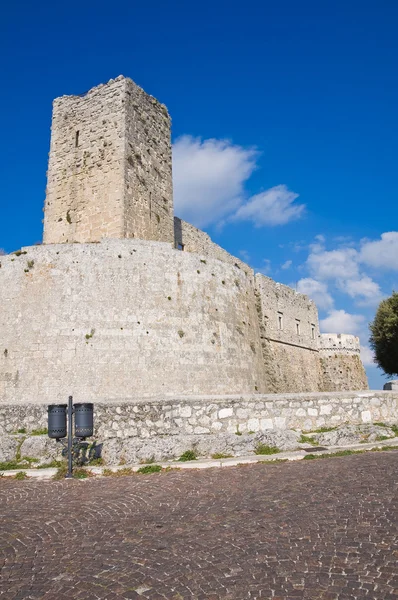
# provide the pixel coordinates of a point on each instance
(121, 318)
(289, 332)
(191, 239)
(109, 173)
(84, 199)
(341, 363)
(148, 179)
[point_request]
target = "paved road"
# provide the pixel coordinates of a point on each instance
(324, 529)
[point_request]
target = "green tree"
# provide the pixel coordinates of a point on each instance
(384, 335)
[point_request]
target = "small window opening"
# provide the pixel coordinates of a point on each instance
(77, 139)
(280, 321)
(297, 327)
(313, 332)
(180, 246)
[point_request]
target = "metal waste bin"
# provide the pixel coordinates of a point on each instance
(84, 419)
(57, 421)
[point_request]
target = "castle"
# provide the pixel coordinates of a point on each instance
(124, 300)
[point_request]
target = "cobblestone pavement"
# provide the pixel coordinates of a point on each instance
(323, 529)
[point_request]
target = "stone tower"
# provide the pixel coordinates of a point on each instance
(109, 172)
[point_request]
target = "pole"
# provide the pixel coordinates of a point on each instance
(70, 436)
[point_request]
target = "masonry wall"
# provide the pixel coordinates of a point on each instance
(84, 196)
(149, 211)
(124, 318)
(195, 240)
(203, 415)
(289, 333)
(109, 172)
(341, 363)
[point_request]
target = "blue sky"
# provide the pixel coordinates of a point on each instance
(285, 128)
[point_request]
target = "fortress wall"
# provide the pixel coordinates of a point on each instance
(148, 179)
(195, 240)
(84, 196)
(341, 363)
(289, 332)
(124, 317)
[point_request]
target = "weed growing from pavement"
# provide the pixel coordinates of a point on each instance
(96, 462)
(21, 476)
(221, 455)
(53, 464)
(78, 473)
(118, 473)
(188, 455)
(264, 449)
(149, 469)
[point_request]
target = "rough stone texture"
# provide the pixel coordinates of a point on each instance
(341, 363)
(8, 447)
(158, 448)
(124, 318)
(244, 533)
(193, 239)
(138, 429)
(353, 434)
(289, 333)
(42, 447)
(109, 172)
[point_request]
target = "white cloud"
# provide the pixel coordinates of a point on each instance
(287, 264)
(383, 253)
(367, 356)
(339, 321)
(209, 179)
(334, 264)
(272, 207)
(317, 291)
(367, 290)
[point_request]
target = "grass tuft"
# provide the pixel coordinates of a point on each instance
(188, 455)
(263, 449)
(42, 431)
(305, 439)
(149, 469)
(118, 473)
(221, 455)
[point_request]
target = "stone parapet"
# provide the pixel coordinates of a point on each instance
(341, 343)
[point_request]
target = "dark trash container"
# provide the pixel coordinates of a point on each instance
(84, 419)
(57, 421)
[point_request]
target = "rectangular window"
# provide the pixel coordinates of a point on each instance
(297, 327)
(280, 320)
(313, 332)
(77, 139)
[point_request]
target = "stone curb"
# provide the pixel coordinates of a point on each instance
(208, 463)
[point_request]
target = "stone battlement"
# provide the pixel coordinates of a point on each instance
(342, 343)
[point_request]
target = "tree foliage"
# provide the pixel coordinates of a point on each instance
(384, 335)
